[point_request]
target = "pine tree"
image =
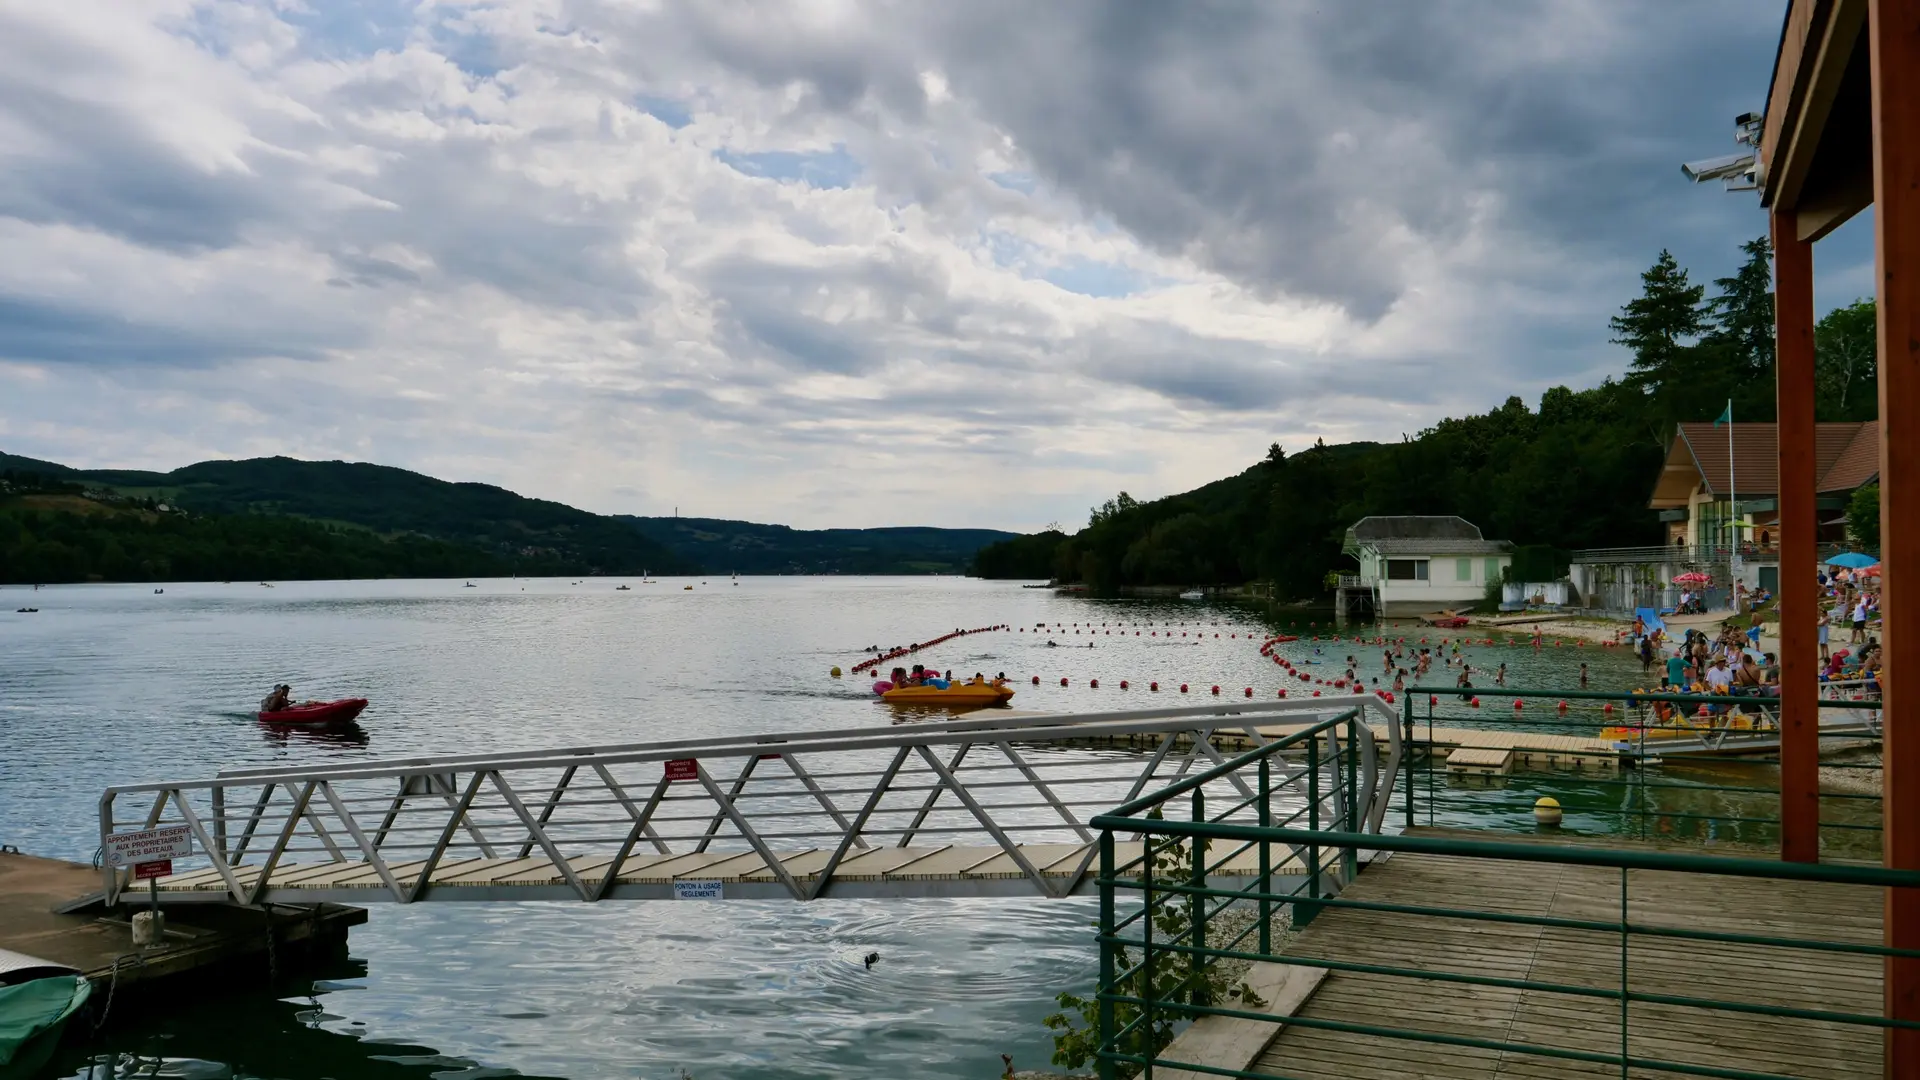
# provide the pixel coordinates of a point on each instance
(1742, 313)
(1655, 325)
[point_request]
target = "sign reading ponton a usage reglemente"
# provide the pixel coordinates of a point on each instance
(148, 845)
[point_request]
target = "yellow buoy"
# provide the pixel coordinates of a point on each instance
(1546, 810)
(835, 672)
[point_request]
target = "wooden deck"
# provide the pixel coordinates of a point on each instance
(875, 871)
(1712, 1038)
(1530, 749)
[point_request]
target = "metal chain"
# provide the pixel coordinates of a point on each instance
(113, 983)
(273, 955)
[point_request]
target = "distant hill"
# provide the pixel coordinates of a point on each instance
(509, 532)
(16, 463)
(518, 533)
(747, 548)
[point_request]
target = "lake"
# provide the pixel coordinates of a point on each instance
(118, 683)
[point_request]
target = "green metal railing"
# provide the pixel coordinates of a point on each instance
(1140, 1010)
(1718, 787)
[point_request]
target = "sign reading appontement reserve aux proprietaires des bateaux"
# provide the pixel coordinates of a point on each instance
(148, 845)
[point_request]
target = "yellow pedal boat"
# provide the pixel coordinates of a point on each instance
(957, 694)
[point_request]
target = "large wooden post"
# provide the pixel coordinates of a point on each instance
(1893, 28)
(1799, 639)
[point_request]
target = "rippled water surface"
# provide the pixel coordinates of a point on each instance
(111, 684)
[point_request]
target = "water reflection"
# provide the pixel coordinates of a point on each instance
(253, 1037)
(348, 733)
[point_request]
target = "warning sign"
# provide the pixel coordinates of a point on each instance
(683, 769)
(148, 845)
(147, 871)
(697, 890)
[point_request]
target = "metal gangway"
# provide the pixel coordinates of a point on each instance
(991, 805)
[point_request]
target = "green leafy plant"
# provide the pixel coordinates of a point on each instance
(1175, 979)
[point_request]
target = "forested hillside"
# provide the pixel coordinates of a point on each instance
(373, 520)
(749, 548)
(1570, 471)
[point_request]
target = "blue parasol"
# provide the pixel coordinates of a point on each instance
(1852, 560)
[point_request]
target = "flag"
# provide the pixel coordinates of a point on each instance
(1726, 417)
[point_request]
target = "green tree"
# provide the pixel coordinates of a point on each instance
(1742, 311)
(1846, 369)
(1658, 323)
(1863, 518)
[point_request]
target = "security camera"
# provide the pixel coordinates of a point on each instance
(1746, 118)
(1719, 168)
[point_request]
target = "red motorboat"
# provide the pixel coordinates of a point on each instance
(317, 712)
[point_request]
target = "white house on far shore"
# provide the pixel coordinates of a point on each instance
(1413, 565)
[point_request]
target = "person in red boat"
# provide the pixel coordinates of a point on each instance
(281, 698)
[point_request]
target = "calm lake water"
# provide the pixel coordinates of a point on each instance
(111, 684)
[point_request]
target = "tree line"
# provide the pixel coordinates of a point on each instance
(1573, 471)
(46, 546)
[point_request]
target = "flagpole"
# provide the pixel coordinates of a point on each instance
(1733, 510)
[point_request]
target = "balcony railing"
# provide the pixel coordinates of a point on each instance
(1696, 554)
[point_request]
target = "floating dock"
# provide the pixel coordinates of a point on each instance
(201, 941)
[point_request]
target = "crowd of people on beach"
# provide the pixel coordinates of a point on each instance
(1730, 662)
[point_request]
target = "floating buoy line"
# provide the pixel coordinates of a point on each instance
(875, 661)
(1310, 684)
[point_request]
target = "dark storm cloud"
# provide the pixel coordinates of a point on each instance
(1313, 150)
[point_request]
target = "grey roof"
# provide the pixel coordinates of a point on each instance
(1415, 527)
(1417, 546)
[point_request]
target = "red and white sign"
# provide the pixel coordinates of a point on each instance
(685, 768)
(148, 870)
(148, 845)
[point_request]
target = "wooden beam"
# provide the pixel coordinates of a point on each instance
(1893, 28)
(1833, 31)
(1799, 641)
(1783, 94)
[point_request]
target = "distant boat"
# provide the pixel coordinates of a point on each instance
(622, 588)
(469, 585)
(157, 592)
(264, 585)
(25, 610)
(689, 588)
(1193, 594)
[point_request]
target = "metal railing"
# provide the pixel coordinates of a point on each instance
(1628, 977)
(1642, 765)
(798, 807)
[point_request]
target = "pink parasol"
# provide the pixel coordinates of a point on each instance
(1692, 577)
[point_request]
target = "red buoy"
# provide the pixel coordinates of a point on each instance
(1036, 680)
(1249, 691)
(1183, 688)
(1216, 691)
(1093, 684)
(1154, 686)
(1063, 680)
(1123, 684)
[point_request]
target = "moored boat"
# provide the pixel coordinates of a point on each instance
(33, 1013)
(317, 712)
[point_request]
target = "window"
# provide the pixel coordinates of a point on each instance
(1406, 569)
(1493, 570)
(1463, 569)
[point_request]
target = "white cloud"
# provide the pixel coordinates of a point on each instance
(834, 264)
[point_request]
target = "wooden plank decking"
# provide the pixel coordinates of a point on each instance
(1714, 1038)
(950, 870)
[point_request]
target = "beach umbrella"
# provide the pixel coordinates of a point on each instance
(1692, 577)
(1853, 560)
(1870, 571)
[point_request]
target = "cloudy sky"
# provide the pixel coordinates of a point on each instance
(838, 263)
